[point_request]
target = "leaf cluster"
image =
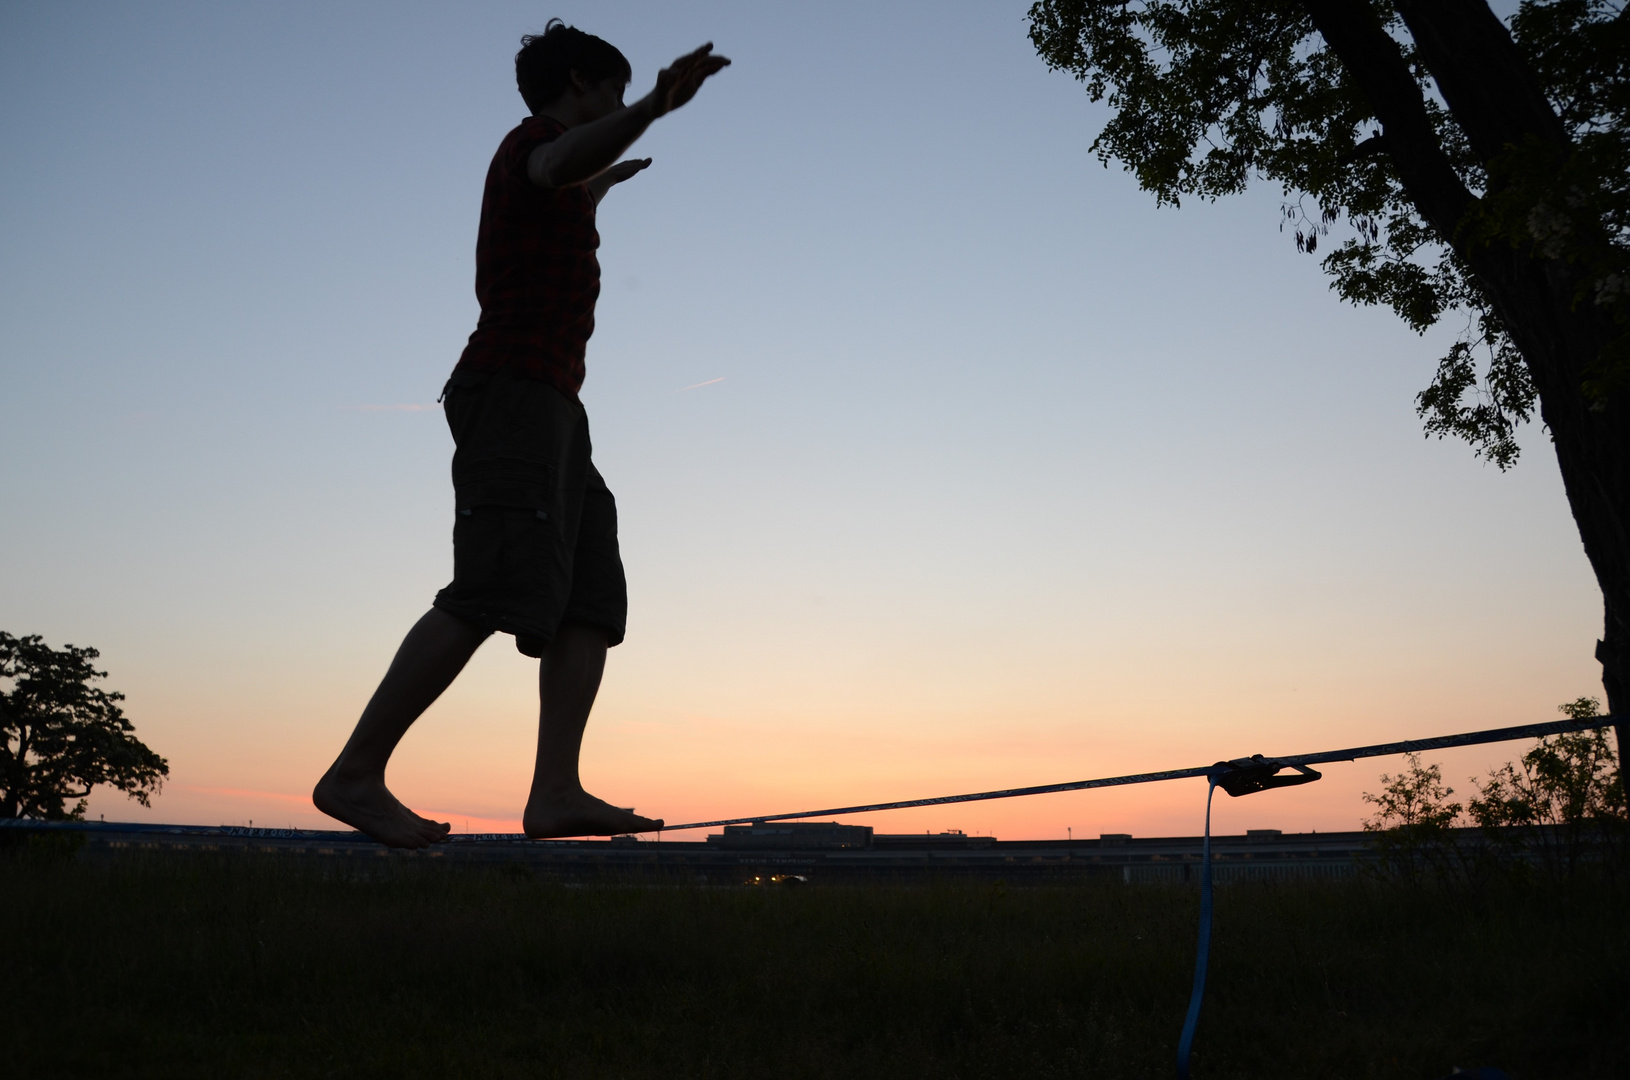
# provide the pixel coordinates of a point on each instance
(1210, 94)
(1414, 820)
(60, 736)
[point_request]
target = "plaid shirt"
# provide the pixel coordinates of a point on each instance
(536, 274)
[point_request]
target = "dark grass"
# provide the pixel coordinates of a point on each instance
(260, 966)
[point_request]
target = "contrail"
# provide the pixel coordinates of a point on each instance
(693, 386)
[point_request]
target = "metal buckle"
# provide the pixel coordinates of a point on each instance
(1243, 776)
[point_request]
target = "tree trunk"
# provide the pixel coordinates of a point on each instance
(1496, 100)
(16, 773)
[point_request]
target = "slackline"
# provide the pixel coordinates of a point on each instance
(1407, 746)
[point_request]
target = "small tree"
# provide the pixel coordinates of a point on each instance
(1413, 820)
(1562, 799)
(60, 736)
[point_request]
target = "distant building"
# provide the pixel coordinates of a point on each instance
(784, 853)
(950, 838)
(783, 835)
(831, 836)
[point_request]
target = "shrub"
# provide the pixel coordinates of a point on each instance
(1562, 802)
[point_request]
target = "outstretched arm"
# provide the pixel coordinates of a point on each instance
(589, 149)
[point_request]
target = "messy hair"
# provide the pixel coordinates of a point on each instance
(544, 66)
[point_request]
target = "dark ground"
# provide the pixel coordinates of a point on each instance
(172, 965)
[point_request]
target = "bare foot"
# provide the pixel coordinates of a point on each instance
(367, 805)
(577, 813)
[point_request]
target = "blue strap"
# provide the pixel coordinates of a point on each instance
(1202, 956)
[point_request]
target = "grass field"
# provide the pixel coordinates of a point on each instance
(217, 966)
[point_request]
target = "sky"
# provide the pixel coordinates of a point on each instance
(945, 460)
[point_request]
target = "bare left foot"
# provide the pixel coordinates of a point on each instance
(577, 813)
(366, 804)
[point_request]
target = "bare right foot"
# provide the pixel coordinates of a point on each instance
(577, 813)
(367, 805)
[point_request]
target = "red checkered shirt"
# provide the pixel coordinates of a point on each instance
(536, 274)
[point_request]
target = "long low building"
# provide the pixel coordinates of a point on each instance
(764, 853)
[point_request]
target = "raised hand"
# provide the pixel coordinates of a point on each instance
(678, 82)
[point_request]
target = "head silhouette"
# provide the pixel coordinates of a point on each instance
(564, 58)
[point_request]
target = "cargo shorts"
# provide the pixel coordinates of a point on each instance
(535, 527)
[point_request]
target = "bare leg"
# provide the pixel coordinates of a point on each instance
(568, 679)
(353, 790)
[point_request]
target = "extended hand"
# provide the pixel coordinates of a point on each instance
(616, 174)
(623, 170)
(678, 82)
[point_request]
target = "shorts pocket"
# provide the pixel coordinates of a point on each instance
(527, 548)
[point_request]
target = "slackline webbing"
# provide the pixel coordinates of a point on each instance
(1407, 746)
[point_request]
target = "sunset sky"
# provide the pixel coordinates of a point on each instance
(945, 460)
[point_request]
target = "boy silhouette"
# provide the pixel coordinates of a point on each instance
(535, 534)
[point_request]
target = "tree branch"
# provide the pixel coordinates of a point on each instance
(1488, 86)
(1371, 147)
(1377, 66)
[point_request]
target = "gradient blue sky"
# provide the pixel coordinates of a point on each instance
(989, 472)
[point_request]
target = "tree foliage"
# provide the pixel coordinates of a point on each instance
(1210, 94)
(1414, 820)
(61, 736)
(1562, 803)
(1561, 798)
